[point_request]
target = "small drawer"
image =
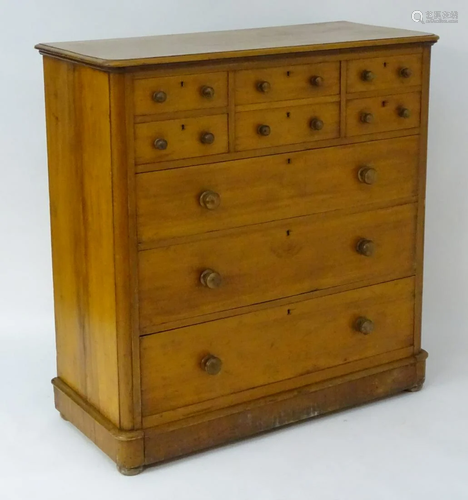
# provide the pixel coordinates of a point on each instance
(266, 128)
(382, 73)
(274, 260)
(203, 362)
(179, 93)
(383, 114)
(287, 82)
(193, 200)
(182, 138)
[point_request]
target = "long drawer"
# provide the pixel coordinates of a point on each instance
(273, 260)
(203, 362)
(193, 200)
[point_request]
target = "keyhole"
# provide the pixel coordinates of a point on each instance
(288, 232)
(181, 84)
(384, 64)
(384, 103)
(288, 115)
(182, 127)
(288, 73)
(289, 160)
(289, 312)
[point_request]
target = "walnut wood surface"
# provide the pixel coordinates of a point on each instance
(129, 52)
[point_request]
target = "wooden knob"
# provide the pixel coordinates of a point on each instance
(404, 112)
(367, 117)
(263, 86)
(316, 81)
(207, 92)
(364, 325)
(365, 247)
(367, 175)
(211, 279)
(160, 144)
(263, 130)
(316, 124)
(367, 76)
(207, 138)
(210, 200)
(405, 72)
(211, 364)
(159, 96)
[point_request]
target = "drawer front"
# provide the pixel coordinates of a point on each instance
(267, 128)
(382, 73)
(179, 93)
(187, 201)
(180, 367)
(182, 138)
(271, 261)
(287, 82)
(383, 114)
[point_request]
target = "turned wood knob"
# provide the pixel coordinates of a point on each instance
(211, 364)
(263, 130)
(160, 144)
(316, 124)
(210, 200)
(207, 92)
(211, 279)
(365, 247)
(316, 81)
(405, 72)
(207, 138)
(364, 325)
(367, 175)
(404, 112)
(367, 117)
(263, 86)
(367, 76)
(159, 96)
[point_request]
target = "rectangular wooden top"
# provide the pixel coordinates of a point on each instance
(144, 51)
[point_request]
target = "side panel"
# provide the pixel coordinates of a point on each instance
(80, 176)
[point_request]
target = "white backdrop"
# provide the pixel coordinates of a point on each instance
(413, 446)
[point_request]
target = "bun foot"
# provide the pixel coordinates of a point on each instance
(417, 387)
(130, 472)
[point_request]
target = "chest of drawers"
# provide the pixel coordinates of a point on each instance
(237, 230)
